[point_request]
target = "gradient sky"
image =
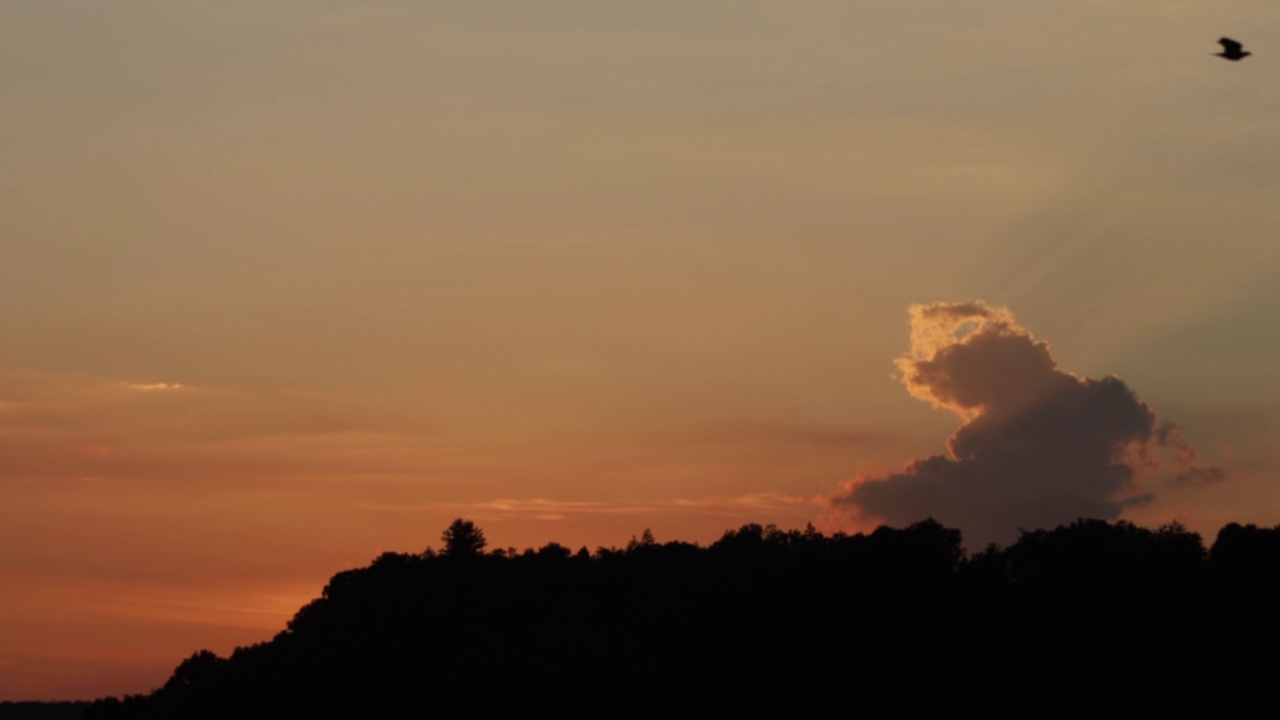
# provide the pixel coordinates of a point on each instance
(287, 284)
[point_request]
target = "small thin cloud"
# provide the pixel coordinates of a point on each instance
(1199, 476)
(102, 452)
(559, 507)
(55, 425)
(154, 387)
(746, 503)
(749, 506)
(522, 506)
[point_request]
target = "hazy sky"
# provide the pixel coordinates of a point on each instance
(287, 284)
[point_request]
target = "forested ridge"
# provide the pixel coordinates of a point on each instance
(1090, 619)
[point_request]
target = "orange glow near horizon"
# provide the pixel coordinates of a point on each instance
(284, 286)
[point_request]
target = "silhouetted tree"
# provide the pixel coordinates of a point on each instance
(554, 551)
(463, 539)
(646, 541)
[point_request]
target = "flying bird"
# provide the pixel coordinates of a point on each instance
(1232, 50)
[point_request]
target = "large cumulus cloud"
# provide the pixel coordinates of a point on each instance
(1037, 446)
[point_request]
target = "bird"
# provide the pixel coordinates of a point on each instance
(1232, 50)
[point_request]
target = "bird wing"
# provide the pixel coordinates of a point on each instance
(1229, 45)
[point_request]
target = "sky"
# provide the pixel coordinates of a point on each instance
(284, 285)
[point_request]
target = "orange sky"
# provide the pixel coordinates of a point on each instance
(286, 285)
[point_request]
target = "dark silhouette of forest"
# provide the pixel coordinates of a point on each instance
(1092, 619)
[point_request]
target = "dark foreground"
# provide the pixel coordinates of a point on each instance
(1090, 620)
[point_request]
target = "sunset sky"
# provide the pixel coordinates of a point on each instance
(287, 284)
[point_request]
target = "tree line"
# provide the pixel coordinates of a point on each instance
(1092, 618)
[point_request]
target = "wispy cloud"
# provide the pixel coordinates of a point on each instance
(68, 426)
(748, 506)
(154, 387)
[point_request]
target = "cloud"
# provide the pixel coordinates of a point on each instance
(1036, 447)
(154, 387)
(1193, 471)
(746, 506)
(57, 426)
(52, 404)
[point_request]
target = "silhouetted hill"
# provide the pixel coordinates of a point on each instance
(1091, 619)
